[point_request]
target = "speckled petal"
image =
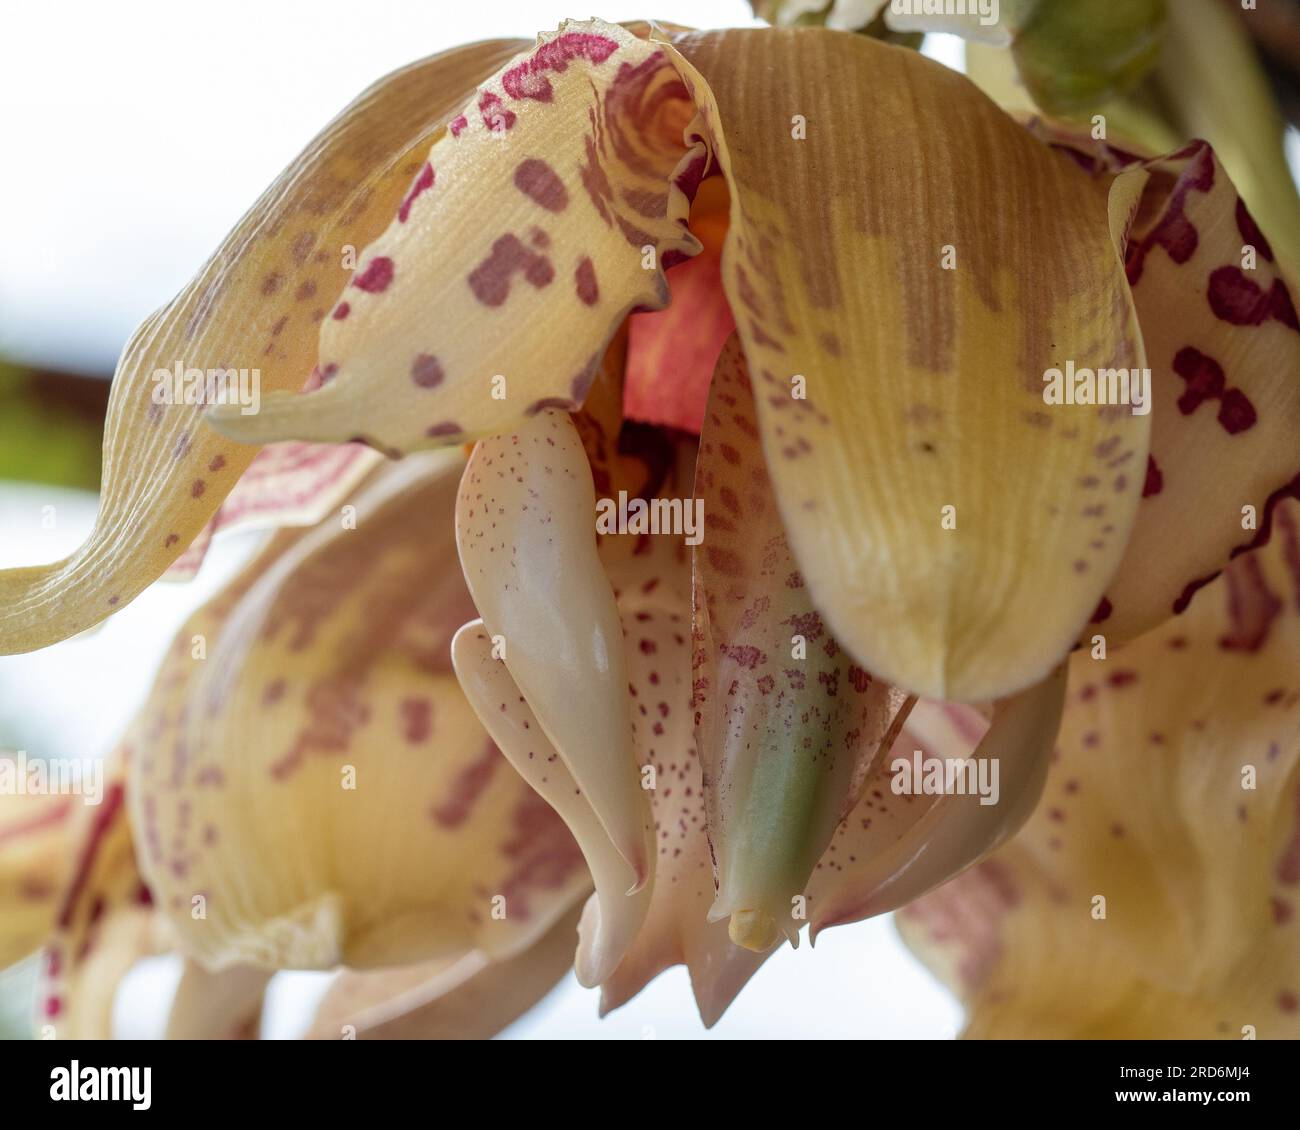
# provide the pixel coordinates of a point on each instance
(787, 724)
(900, 293)
(1155, 893)
(105, 923)
(1223, 344)
(287, 484)
(541, 219)
(525, 527)
(651, 577)
(256, 305)
(612, 916)
(311, 787)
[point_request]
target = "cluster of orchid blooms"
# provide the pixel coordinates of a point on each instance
(811, 280)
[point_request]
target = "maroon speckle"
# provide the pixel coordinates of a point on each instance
(490, 280)
(197, 488)
(1206, 381)
(423, 183)
(417, 719)
(458, 125)
(341, 311)
(1155, 481)
(1242, 302)
(528, 79)
(426, 371)
(1175, 232)
(541, 184)
(495, 116)
(377, 276)
(1250, 232)
(467, 788)
(585, 279)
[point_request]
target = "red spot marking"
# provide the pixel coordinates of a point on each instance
(108, 812)
(426, 371)
(746, 657)
(490, 280)
(271, 284)
(341, 311)
(53, 1006)
(218, 461)
(172, 539)
(1250, 232)
(1287, 1002)
(1242, 302)
(377, 276)
(334, 712)
(1122, 678)
(1104, 609)
(528, 79)
(495, 116)
(446, 428)
(197, 488)
(467, 788)
(458, 125)
(274, 692)
(1175, 232)
(1206, 381)
(540, 183)
(423, 183)
(1155, 481)
(417, 719)
(585, 279)
(725, 561)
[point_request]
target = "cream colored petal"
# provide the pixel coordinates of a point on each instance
(287, 484)
(256, 305)
(36, 845)
(896, 846)
(612, 915)
(534, 226)
(311, 787)
(525, 527)
(900, 294)
(1155, 893)
(787, 724)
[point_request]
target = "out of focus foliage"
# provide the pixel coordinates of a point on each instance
(51, 426)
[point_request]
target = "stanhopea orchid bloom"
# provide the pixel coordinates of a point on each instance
(468, 711)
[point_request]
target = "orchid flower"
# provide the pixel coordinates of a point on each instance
(447, 727)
